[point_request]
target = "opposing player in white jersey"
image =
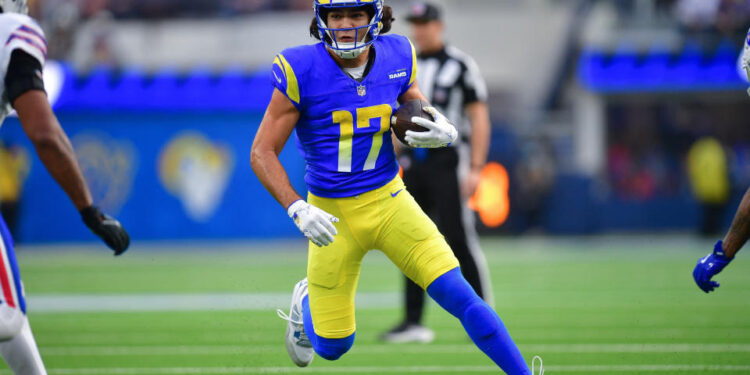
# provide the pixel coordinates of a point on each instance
(22, 57)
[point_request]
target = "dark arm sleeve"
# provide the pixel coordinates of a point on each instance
(24, 74)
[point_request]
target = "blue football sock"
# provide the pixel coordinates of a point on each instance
(330, 349)
(307, 320)
(455, 295)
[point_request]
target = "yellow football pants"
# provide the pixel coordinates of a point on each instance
(387, 219)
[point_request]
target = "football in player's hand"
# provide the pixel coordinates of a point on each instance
(401, 121)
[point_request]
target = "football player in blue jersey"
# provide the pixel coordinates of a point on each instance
(339, 96)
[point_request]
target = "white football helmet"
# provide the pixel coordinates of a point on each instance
(14, 6)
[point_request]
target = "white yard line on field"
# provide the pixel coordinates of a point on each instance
(638, 348)
(368, 349)
(397, 369)
(56, 303)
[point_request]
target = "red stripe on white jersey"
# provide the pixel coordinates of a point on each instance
(41, 42)
(6, 277)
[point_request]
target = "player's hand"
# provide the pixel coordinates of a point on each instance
(314, 223)
(709, 266)
(440, 132)
(746, 58)
(107, 228)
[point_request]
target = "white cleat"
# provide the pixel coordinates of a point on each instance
(297, 344)
(408, 333)
(541, 365)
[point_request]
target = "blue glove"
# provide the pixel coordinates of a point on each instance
(709, 266)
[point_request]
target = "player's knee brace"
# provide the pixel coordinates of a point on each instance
(332, 349)
(11, 321)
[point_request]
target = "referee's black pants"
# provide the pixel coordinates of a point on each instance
(432, 178)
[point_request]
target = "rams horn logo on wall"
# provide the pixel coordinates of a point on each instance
(108, 166)
(197, 172)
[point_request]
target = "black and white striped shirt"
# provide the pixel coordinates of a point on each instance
(450, 79)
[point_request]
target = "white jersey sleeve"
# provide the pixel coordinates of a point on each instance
(18, 32)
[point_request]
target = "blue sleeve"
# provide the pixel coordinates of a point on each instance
(284, 79)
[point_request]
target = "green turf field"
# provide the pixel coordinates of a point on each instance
(604, 305)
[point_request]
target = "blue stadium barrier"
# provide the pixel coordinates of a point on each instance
(135, 90)
(654, 68)
(130, 89)
(626, 70)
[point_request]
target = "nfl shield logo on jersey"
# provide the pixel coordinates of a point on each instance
(361, 90)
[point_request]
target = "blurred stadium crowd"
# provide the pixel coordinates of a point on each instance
(155, 9)
(64, 17)
(718, 15)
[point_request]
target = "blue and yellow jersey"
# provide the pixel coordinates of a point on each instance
(344, 127)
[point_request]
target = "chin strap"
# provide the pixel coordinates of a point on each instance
(349, 53)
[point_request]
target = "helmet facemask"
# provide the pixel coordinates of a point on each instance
(364, 35)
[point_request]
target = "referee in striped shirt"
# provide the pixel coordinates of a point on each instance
(441, 180)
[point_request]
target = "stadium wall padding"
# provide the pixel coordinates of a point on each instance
(163, 175)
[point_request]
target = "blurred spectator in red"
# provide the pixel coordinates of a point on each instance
(637, 164)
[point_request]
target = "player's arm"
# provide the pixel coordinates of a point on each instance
(25, 89)
(275, 128)
(52, 145)
(725, 250)
(739, 232)
(280, 119)
(479, 116)
(412, 93)
(440, 132)
(475, 107)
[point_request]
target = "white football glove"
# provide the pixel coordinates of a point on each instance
(746, 58)
(441, 132)
(314, 223)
